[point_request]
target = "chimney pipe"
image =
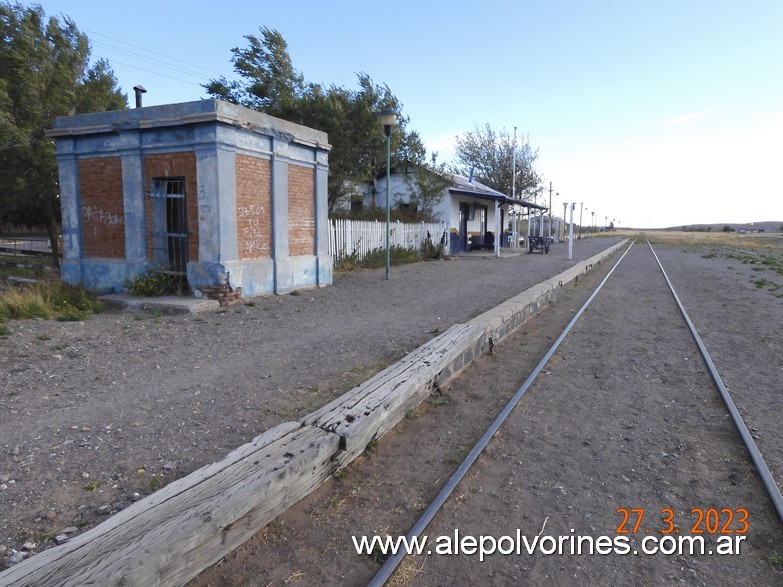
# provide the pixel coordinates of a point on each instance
(139, 91)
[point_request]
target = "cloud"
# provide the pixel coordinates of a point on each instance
(718, 177)
(443, 144)
(682, 119)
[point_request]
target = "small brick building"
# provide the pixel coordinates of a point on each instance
(226, 196)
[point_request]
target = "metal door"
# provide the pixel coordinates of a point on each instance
(170, 226)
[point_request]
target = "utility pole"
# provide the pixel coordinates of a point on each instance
(571, 234)
(550, 210)
(513, 189)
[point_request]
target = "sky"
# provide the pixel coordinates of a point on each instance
(651, 113)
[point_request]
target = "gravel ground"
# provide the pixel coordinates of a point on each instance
(101, 413)
(624, 415)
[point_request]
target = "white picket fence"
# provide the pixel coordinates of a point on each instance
(359, 237)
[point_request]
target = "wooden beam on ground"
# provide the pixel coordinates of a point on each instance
(175, 533)
(369, 411)
(178, 531)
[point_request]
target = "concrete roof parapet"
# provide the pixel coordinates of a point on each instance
(188, 113)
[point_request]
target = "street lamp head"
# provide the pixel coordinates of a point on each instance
(387, 118)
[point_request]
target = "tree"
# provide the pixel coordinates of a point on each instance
(44, 73)
(269, 83)
(490, 154)
(427, 183)
(349, 118)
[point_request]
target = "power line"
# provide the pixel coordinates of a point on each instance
(158, 73)
(157, 53)
(141, 57)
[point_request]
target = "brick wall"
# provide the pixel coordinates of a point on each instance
(103, 210)
(254, 207)
(174, 165)
(301, 210)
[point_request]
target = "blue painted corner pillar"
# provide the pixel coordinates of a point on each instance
(325, 265)
(133, 194)
(280, 249)
(71, 267)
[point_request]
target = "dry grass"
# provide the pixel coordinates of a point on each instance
(24, 303)
(407, 571)
(766, 240)
(47, 300)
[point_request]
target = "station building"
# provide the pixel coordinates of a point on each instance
(226, 197)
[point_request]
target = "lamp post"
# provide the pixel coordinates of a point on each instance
(571, 234)
(388, 119)
(581, 207)
(593, 222)
(513, 207)
(565, 222)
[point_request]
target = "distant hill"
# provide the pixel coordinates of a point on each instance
(749, 226)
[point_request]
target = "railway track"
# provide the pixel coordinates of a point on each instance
(624, 415)
(639, 252)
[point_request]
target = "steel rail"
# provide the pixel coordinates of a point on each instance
(391, 564)
(750, 444)
(396, 558)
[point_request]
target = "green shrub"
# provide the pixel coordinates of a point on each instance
(154, 284)
(48, 300)
(430, 250)
(68, 299)
(72, 315)
(376, 259)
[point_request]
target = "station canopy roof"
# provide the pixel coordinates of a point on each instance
(463, 186)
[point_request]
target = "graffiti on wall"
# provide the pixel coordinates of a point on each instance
(93, 214)
(252, 247)
(249, 218)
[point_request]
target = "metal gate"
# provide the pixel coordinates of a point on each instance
(170, 226)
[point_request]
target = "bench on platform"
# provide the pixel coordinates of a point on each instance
(486, 241)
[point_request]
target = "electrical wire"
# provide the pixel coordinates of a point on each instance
(159, 54)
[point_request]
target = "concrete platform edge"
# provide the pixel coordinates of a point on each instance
(344, 427)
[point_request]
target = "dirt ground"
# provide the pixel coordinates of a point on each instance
(98, 414)
(624, 415)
